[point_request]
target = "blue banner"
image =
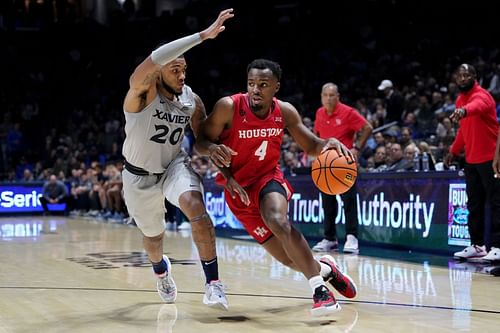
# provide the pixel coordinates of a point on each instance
(23, 198)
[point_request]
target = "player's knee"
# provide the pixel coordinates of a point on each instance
(191, 203)
(157, 238)
(278, 224)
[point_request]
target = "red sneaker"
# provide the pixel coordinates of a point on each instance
(341, 282)
(324, 302)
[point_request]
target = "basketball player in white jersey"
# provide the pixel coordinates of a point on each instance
(157, 108)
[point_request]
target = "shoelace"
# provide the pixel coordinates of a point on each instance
(166, 285)
(322, 295)
(478, 248)
(217, 288)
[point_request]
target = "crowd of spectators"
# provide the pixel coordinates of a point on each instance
(64, 81)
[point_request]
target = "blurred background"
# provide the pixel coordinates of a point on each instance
(65, 66)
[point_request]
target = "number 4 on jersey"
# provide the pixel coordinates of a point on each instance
(261, 151)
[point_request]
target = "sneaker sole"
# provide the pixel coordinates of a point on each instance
(169, 270)
(335, 249)
(325, 310)
(345, 275)
(476, 259)
(214, 305)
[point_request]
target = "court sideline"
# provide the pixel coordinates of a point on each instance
(66, 274)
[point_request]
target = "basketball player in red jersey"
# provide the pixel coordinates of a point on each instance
(243, 137)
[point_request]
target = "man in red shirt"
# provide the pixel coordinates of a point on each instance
(242, 136)
(338, 120)
(477, 136)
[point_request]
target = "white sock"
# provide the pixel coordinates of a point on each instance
(315, 282)
(325, 269)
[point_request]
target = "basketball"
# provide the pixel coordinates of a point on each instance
(333, 174)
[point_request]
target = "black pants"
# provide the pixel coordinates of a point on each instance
(66, 200)
(330, 208)
(481, 188)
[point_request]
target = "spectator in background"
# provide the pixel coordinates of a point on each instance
(290, 163)
(477, 136)
(335, 119)
(425, 148)
(406, 137)
(54, 192)
(379, 139)
(394, 102)
(379, 159)
(27, 176)
(398, 162)
(445, 127)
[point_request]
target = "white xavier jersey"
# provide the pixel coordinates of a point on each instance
(154, 135)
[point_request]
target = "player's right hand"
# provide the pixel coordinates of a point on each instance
(448, 159)
(342, 150)
(235, 189)
(496, 166)
(218, 26)
(221, 155)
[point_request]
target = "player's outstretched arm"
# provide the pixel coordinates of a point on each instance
(143, 80)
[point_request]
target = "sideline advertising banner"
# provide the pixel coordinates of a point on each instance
(23, 198)
(420, 210)
(458, 231)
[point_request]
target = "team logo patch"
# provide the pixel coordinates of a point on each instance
(260, 231)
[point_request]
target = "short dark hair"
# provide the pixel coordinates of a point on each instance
(468, 68)
(274, 67)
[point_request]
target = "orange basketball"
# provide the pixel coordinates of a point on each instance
(333, 174)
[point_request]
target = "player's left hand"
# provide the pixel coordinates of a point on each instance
(218, 26)
(235, 189)
(341, 149)
(221, 155)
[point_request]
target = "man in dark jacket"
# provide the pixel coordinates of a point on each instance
(54, 192)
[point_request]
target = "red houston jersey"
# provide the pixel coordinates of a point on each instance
(257, 142)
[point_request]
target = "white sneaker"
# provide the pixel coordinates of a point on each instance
(471, 252)
(184, 226)
(493, 255)
(215, 296)
(165, 284)
(351, 244)
(325, 246)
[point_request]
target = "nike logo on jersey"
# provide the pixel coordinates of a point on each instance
(171, 118)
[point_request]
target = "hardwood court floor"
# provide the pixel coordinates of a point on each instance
(73, 275)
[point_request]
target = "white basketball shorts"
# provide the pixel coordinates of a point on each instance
(145, 195)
